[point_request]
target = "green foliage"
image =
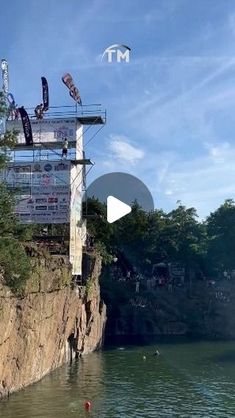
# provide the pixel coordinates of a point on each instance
(89, 284)
(187, 237)
(97, 224)
(149, 238)
(3, 107)
(8, 140)
(7, 220)
(107, 257)
(65, 279)
(221, 232)
(14, 263)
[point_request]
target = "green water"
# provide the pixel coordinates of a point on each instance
(187, 380)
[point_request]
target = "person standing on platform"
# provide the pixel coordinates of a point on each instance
(39, 111)
(65, 148)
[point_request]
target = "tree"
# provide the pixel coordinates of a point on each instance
(129, 235)
(3, 107)
(187, 235)
(14, 262)
(221, 233)
(149, 238)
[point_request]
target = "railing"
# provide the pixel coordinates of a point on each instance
(40, 155)
(54, 112)
(92, 114)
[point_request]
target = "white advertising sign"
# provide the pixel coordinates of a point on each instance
(46, 130)
(43, 191)
(76, 229)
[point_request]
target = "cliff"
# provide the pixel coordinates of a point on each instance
(197, 310)
(52, 323)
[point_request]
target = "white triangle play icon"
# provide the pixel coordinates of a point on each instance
(116, 209)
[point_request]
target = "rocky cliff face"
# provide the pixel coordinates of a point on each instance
(50, 325)
(197, 310)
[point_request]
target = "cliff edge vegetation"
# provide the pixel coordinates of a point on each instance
(14, 263)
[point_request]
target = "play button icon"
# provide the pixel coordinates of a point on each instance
(119, 191)
(116, 209)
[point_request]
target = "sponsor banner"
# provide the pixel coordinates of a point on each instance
(43, 218)
(73, 91)
(26, 126)
(43, 107)
(11, 101)
(48, 130)
(45, 94)
(43, 191)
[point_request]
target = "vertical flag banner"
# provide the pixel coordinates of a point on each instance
(45, 94)
(5, 76)
(73, 91)
(11, 101)
(26, 126)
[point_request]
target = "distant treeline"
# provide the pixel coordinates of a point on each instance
(207, 246)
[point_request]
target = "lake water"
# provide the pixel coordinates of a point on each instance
(195, 379)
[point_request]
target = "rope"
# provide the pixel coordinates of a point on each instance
(77, 139)
(93, 136)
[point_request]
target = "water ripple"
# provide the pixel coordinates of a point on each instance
(187, 380)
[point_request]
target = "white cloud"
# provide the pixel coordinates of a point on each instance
(169, 192)
(178, 107)
(219, 153)
(122, 150)
(204, 182)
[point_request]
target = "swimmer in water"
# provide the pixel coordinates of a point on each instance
(157, 353)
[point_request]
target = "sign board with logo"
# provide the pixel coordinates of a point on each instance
(48, 130)
(117, 53)
(43, 191)
(177, 271)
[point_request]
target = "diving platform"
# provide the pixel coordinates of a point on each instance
(91, 120)
(39, 145)
(77, 124)
(91, 114)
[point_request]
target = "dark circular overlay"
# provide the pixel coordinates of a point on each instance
(123, 186)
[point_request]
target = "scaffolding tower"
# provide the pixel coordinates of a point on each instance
(50, 187)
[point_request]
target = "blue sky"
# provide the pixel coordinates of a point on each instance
(171, 110)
